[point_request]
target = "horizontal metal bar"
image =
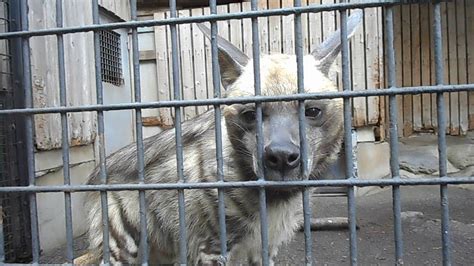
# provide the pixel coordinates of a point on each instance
(244, 100)
(246, 184)
(197, 19)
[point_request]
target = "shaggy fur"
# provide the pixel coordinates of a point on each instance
(323, 133)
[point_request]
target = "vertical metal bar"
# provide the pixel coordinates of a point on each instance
(65, 134)
(178, 134)
(2, 238)
(217, 117)
(101, 139)
(139, 132)
(393, 112)
(439, 72)
(259, 118)
(348, 136)
(302, 134)
(29, 146)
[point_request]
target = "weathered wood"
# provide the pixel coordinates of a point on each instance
(314, 26)
(462, 66)
(452, 68)
(359, 68)
(274, 32)
(406, 70)
(425, 42)
(153, 121)
(235, 26)
(200, 71)
(470, 58)
(444, 28)
(372, 61)
(80, 78)
(274, 37)
(147, 55)
(380, 130)
(162, 70)
(208, 59)
(186, 66)
(120, 8)
(434, 104)
(328, 25)
(397, 29)
(288, 30)
(416, 65)
(263, 29)
(305, 29)
(247, 32)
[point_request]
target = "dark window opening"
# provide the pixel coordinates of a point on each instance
(110, 57)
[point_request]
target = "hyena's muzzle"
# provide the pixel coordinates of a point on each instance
(281, 154)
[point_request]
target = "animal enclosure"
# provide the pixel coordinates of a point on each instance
(399, 73)
(276, 35)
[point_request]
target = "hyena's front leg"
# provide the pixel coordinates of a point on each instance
(210, 256)
(123, 246)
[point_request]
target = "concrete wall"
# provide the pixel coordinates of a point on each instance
(51, 214)
(119, 129)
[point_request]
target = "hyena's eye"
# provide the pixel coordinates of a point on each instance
(248, 116)
(312, 112)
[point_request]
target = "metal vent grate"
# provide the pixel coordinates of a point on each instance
(110, 57)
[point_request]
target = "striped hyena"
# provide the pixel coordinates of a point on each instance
(324, 133)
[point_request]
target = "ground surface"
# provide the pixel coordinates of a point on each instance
(421, 232)
(421, 215)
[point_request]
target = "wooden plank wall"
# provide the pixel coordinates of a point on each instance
(415, 65)
(276, 36)
(80, 78)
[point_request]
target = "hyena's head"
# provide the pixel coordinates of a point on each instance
(278, 74)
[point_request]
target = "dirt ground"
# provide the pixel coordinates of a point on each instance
(421, 231)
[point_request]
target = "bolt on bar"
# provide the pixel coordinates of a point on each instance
(139, 133)
(393, 112)
(101, 139)
(302, 134)
(65, 135)
(259, 131)
(218, 132)
(29, 146)
(178, 135)
(439, 72)
(348, 137)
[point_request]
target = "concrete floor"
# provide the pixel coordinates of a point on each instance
(421, 233)
(421, 213)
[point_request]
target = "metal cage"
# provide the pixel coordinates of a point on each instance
(177, 103)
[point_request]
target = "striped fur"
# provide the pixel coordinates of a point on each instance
(278, 75)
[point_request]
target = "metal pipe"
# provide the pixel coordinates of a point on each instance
(252, 99)
(218, 132)
(205, 18)
(393, 113)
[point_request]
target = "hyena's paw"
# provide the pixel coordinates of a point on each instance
(210, 257)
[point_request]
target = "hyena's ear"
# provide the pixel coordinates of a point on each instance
(328, 50)
(231, 60)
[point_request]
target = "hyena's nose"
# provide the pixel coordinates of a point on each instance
(282, 157)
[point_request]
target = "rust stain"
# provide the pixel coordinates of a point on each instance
(153, 121)
(376, 77)
(454, 131)
(407, 129)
